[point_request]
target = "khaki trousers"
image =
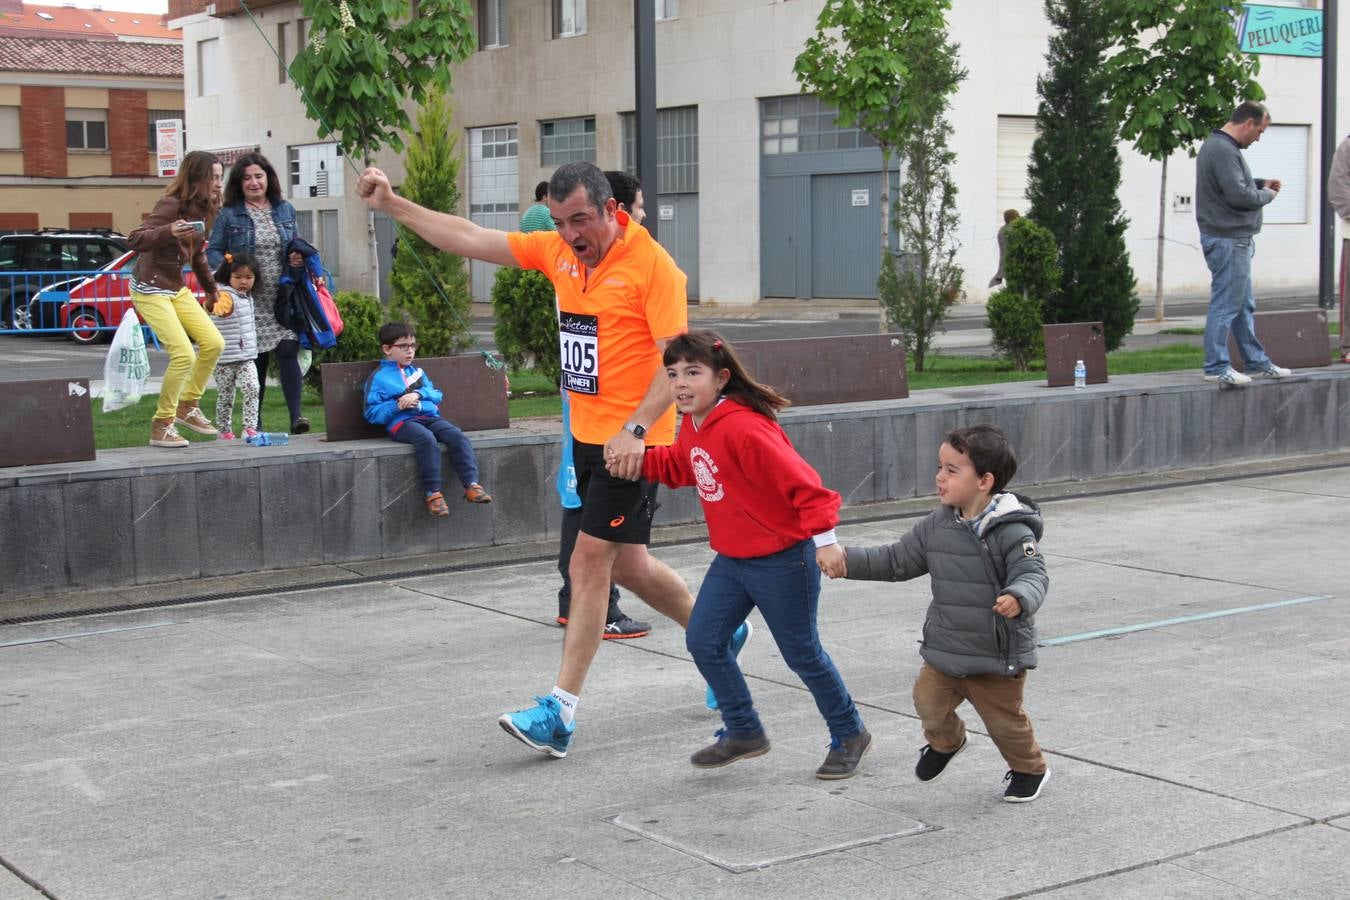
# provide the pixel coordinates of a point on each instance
(996, 698)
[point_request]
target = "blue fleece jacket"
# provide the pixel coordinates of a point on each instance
(389, 382)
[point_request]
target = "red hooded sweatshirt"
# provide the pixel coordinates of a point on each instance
(759, 496)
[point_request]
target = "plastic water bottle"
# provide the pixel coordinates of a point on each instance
(269, 439)
(1079, 376)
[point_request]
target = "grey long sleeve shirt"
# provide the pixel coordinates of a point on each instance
(1228, 200)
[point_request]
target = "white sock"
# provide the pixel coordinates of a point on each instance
(569, 704)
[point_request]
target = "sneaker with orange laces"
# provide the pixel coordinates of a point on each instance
(436, 505)
(474, 493)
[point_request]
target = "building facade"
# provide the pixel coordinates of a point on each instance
(80, 93)
(760, 193)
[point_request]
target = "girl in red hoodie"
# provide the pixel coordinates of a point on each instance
(772, 524)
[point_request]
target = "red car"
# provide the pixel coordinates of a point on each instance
(98, 303)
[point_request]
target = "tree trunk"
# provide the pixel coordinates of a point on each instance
(885, 199)
(1158, 314)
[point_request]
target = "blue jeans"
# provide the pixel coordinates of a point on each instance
(785, 587)
(423, 434)
(1231, 304)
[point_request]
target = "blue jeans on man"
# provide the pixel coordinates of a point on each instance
(785, 588)
(1232, 304)
(424, 433)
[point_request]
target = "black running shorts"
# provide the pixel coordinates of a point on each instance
(612, 509)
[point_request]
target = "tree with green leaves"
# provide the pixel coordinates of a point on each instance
(1177, 75)
(366, 58)
(1074, 176)
(858, 61)
(1016, 313)
(889, 67)
(421, 272)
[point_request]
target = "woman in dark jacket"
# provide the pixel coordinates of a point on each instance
(257, 221)
(171, 236)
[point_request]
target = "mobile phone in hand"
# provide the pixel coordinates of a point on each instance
(198, 226)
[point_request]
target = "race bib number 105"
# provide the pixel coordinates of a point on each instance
(579, 338)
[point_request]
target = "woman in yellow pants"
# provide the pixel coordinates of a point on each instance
(173, 235)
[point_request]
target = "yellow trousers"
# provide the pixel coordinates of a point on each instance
(179, 322)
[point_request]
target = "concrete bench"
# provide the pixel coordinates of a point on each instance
(1068, 342)
(824, 370)
(474, 395)
(1294, 338)
(46, 422)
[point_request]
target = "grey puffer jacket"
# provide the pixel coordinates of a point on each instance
(962, 635)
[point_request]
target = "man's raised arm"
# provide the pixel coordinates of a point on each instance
(453, 234)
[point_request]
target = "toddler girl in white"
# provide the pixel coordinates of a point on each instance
(233, 316)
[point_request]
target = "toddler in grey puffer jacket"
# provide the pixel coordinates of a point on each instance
(981, 549)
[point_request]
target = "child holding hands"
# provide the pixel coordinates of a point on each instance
(981, 550)
(772, 524)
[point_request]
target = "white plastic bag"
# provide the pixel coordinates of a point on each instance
(127, 366)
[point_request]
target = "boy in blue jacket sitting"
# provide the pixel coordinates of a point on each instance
(401, 397)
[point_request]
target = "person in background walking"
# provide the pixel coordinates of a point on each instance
(1338, 195)
(174, 234)
(1009, 216)
(1228, 202)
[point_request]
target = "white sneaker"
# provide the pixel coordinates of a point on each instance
(1232, 377)
(1274, 371)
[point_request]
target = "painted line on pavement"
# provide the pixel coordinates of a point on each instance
(1180, 620)
(80, 634)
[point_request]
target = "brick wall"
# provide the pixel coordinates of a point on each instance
(42, 130)
(180, 8)
(127, 126)
(91, 220)
(25, 221)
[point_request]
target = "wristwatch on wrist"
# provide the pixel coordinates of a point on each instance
(636, 430)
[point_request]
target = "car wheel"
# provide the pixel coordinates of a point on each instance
(84, 325)
(17, 315)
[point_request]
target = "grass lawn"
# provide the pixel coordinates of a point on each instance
(130, 427)
(533, 395)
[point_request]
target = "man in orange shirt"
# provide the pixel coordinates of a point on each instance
(621, 300)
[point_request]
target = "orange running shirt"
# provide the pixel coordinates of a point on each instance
(609, 321)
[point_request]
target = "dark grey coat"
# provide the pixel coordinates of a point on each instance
(962, 635)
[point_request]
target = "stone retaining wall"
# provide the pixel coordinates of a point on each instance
(141, 516)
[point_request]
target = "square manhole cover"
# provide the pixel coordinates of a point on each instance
(752, 829)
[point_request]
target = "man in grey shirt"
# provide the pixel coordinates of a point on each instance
(1228, 204)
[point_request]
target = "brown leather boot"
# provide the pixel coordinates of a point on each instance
(163, 434)
(842, 760)
(729, 749)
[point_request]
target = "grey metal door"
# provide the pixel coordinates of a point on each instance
(845, 234)
(780, 219)
(679, 234)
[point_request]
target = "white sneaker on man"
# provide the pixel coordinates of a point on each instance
(1230, 376)
(1274, 371)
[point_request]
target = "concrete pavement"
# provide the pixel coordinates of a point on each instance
(340, 741)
